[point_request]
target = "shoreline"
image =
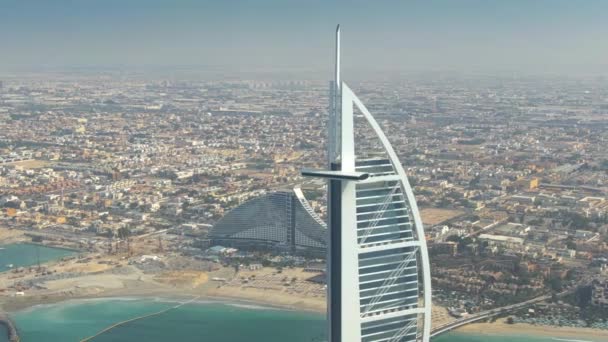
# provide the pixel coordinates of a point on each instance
(11, 328)
(501, 328)
(131, 283)
(50, 262)
(42, 245)
(160, 295)
(146, 306)
(6, 318)
(498, 328)
(177, 299)
(51, 246)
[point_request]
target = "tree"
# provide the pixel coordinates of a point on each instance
(11, 204)
(582, 296)
(522, 218)
(453, 238)
(185, 206)
(124, 233)
(475, 181)
(555, 283)
(576, 220)
(444, 203)
(571, 244)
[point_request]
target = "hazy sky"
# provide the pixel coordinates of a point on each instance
(561, 35)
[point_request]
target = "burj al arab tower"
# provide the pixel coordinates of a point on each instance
(379, 282)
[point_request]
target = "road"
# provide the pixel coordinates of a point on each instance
(493, 312)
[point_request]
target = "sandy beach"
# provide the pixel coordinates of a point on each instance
(8, 236)
(136, 284)
(132, 282)
(501, 328)
(98, 275)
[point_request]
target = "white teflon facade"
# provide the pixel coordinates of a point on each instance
(379, 274)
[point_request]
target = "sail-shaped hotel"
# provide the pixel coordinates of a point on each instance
(379, 283)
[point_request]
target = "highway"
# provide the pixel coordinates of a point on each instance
(505, 309)
(498, 311)
(583, 281)
(487, 314)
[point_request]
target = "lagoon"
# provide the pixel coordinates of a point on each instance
(25, 254)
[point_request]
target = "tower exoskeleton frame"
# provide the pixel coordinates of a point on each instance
(378, 272)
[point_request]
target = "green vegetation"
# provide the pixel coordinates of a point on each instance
(570, 244)
(555, 283)
(576, 220)
(313, 195)
(476, 141)
(462, 242)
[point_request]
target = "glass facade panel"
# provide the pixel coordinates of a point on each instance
(280, 220)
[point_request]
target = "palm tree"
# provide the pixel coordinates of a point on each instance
(124, 233)
(110, 234)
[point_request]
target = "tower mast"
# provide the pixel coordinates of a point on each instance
(376, 245)
(337, 64)
(333, 143)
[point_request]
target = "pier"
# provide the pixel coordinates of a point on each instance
(10, 327)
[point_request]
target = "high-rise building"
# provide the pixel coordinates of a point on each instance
(379, 283)
(281, 221)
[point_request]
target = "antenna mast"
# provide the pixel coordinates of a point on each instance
(337, 64)
(333, 143)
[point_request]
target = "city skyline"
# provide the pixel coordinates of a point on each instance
(181, 163)
(493, 36)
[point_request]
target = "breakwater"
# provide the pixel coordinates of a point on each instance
(75, 320)
(10, 327)
(139, 317)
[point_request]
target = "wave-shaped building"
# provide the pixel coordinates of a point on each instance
(379, 282)
(278, 221)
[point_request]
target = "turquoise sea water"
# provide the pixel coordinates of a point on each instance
(199, 321)
(220, 322)
(23, 254)
(3, 334)
(210, 321)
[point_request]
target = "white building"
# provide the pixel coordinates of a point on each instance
(377, 243)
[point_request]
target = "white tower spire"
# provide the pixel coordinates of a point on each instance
(376, 244)
(333, 129)
(337, 64)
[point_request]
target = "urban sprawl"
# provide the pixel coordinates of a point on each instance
(510, 173)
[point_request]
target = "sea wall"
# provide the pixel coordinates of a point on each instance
(10, 327)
